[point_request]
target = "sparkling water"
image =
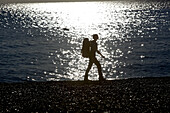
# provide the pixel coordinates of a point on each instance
(43, 41)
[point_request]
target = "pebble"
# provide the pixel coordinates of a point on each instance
(139, 95)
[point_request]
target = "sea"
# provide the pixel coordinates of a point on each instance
(43, 41)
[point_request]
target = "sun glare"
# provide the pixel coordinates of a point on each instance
(75, 15)
(80, 18)
(66, 24)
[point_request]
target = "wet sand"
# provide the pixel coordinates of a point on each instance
(130, 95)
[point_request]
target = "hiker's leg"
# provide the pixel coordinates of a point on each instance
(99, 69)
(88, 69)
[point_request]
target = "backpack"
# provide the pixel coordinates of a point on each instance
(86, 48)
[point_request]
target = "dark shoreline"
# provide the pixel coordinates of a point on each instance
(128, 95)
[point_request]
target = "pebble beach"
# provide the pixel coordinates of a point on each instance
(127, 95)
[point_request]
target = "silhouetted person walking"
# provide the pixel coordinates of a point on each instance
(93, 59)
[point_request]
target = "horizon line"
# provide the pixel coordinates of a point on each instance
(48, 1)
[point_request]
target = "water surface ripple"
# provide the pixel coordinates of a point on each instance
(42, 41)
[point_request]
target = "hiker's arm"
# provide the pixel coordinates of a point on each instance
(100, 53)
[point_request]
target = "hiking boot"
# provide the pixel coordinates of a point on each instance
(102, 79)
(86, 79)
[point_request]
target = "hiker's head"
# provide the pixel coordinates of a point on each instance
(95, 36)
(86, 39)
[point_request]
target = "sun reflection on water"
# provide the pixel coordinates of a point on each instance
(80, 20)
(65, 25)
